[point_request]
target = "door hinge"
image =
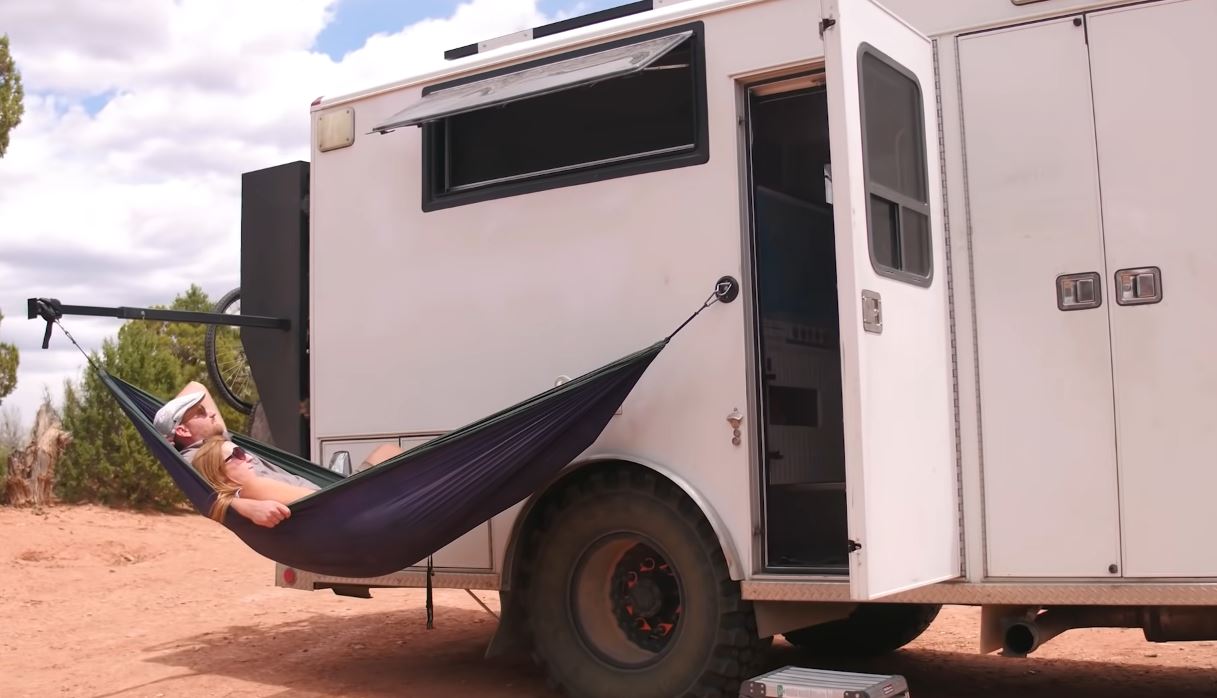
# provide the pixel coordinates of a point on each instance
(825, 24)
(853, 545)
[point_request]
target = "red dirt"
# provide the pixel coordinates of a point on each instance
(97, 602)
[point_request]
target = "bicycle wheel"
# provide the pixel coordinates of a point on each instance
(226, 363)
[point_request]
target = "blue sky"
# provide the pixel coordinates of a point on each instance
(356, 20)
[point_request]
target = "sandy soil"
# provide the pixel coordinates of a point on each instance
(95, 602)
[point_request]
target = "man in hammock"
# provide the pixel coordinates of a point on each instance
(192, 417)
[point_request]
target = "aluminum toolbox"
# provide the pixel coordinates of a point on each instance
(797, 682)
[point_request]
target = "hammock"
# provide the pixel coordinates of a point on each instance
(396, 514)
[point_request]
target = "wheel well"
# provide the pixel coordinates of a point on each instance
(523, 541)
(623, 589)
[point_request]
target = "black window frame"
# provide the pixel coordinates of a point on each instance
(902, 201)
(433, 135)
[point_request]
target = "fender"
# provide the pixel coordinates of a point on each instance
(734, 566)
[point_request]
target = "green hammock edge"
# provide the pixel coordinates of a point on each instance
(328, 480)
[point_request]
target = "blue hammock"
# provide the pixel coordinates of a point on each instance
(394, 515)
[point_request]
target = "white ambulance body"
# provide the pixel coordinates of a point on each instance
(971, 362)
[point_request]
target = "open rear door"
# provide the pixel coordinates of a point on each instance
(892, 280)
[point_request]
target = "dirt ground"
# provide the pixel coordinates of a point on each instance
(100, 603)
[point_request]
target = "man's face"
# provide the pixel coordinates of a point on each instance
(198, 424)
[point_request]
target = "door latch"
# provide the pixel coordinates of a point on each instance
(1078, 291)
(872, 312)
(1139, 286)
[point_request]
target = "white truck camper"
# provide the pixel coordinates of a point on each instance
(970, 363)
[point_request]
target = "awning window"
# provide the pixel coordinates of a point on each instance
(536, 81)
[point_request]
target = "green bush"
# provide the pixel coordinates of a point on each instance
(107, 462)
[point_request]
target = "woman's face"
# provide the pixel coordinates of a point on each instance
(236, 464)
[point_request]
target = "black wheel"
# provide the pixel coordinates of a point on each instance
(226, 363)
(629, 595)
(871, 630)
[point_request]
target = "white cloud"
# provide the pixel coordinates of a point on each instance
(132, 204)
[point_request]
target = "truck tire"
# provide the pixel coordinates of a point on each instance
(871, 630)
(628, 594)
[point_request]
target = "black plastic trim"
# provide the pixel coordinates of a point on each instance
(432, 200)
(591, 18)
(461, 52)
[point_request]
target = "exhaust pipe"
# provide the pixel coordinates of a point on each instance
(1023, 635)
(1021, 638)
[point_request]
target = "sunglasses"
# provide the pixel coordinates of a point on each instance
(237, 453)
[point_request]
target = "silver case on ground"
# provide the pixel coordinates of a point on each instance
(797, 682)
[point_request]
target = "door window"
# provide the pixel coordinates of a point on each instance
(893, 147)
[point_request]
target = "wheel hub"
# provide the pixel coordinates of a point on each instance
(646, 598)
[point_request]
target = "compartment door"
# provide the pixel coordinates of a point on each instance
(1155, 114)
(892, 280)
(1050, 502)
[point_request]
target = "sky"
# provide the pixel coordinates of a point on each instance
(121, 186)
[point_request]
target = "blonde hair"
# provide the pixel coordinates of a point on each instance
(209, 462)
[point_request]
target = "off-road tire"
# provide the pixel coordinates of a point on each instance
(713, 645)
(871, 630)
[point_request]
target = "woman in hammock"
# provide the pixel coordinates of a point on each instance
(227, 468)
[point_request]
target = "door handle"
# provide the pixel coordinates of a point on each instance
(1078, 291)
(872, 311)
(1139, 286)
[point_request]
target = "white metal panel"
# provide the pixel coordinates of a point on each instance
(900, 470)
(1050, 493)
(948, 16)
(1155, 114)
(482, 305)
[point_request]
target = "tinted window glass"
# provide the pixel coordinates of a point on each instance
(896, 156)
(644, 121)
(635, 115)
(896, 176)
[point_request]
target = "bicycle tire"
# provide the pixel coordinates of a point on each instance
(230, 373)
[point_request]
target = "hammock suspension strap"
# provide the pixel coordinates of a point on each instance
(726, 290)
(430, 601)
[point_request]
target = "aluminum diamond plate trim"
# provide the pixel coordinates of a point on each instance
(404, 579)
(1003, 593)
